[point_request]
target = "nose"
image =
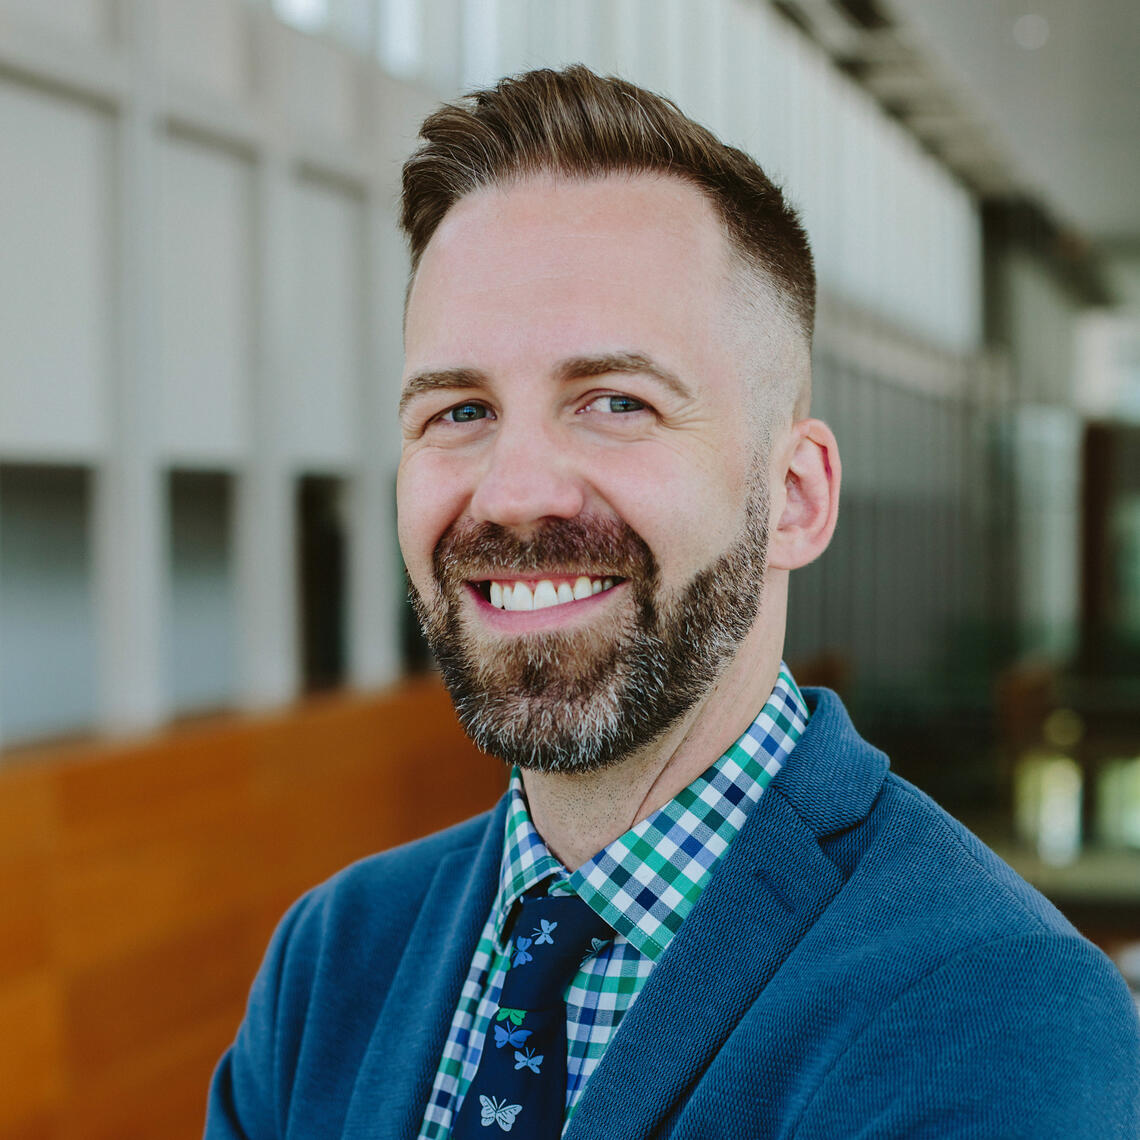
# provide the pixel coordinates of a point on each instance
(528, 477)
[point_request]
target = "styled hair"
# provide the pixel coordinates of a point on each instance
(581, 125)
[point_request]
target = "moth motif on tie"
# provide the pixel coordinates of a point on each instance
(528, 1060)
(542, 936)
(522, 1073)
(508, 1036)
(498, 1112)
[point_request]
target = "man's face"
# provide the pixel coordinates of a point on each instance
(582, 496)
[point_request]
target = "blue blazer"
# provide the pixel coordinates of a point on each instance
(859, 966)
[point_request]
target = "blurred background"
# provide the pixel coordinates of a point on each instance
(212, 693)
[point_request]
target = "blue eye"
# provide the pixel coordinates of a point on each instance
(624, 404)
(465, 413)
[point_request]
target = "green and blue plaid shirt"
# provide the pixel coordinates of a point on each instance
(643, 884)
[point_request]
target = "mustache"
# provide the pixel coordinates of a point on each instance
(584, 545)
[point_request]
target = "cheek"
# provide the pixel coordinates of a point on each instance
(685, 515)
(427, 503)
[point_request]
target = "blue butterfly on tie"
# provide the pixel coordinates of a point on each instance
(504, 1035)
(542, 936)
(522, 945)
(498, 1112)
(528, 1060)
(596, 946)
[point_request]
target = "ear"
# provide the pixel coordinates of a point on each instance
(805, 499)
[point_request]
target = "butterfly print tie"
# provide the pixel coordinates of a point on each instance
(520, 1085)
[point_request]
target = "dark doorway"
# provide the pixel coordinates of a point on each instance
(322, 547)
(1111, 550)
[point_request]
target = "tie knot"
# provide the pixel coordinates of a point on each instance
(553, 936)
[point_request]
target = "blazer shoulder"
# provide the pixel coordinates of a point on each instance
(1055, 1053)
(326, 976)
(887, 837)
(943, 855)
(967, 1004)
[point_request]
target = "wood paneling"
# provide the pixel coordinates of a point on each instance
(139, 884)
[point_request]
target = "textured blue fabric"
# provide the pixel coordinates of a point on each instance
(880, 974)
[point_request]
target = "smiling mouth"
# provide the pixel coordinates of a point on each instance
(513, 594)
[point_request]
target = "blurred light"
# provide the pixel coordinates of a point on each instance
(1118, 803)
(1063, 729)
(1031, 31)
(308, 15)
(1047, 806)
(400, 48)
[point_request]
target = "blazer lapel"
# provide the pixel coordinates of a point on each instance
(777, 879)
(399, 1067)
(773, 885)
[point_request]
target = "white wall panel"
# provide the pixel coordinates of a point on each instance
(597, 49)
(323, 96)
(811, 166)
(695, 46)
(205, 43)
(775, 99)
(399, 37)
(827, 176)
(205, 301)
(1048, 456)
(542, 48)
(1042, 324)
(894, 285)
(354, 22)
(511, 50)
(442, 23)
(625, 28)
(324, 370)
(56, 274)
(88, 19)
(641, 43)
(481, 43)
(862, 219)
(744, 35)
(568, 32)
(963, 240)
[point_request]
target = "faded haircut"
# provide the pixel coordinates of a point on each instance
(580, 125)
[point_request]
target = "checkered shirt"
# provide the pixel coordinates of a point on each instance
(643, 884)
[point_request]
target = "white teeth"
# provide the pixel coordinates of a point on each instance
(521, 596)
(545, 595)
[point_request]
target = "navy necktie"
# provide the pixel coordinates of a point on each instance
(520, 1084)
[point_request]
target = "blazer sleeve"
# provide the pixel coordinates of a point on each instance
(246, 1092)
(1032, 1036)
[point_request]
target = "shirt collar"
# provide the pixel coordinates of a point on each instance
(682, 841)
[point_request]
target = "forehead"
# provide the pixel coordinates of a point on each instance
(608, 259)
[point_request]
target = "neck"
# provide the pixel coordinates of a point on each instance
(579, 814)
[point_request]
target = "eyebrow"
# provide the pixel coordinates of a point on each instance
(574, 368)
(578, 367)
(440, 379)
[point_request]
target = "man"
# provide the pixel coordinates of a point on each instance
(608, 474)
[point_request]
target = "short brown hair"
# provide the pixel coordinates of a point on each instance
(581, 125)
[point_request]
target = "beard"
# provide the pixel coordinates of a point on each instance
(582, 700)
